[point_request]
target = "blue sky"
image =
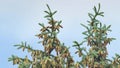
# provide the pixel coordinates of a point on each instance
(19, 22)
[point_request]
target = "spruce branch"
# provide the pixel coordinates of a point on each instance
(18, 60)
(24, 46)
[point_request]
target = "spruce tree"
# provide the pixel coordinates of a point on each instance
(50, 42)
(96, 37)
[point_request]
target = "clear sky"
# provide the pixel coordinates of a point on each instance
(19, 22)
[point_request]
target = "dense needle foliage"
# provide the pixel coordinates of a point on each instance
(96, 37)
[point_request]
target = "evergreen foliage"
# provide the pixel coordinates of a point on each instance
(96, 37)
(50, 42)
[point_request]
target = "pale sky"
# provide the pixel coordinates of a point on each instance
(19, 22)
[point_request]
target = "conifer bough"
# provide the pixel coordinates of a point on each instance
(96, 37)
